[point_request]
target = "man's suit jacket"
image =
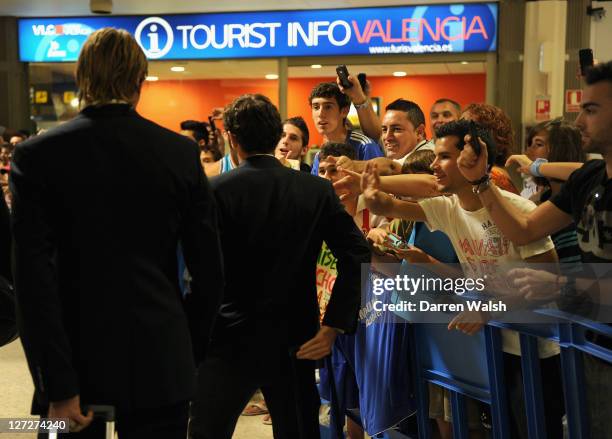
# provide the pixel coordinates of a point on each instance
(273, 221)
(100, 204)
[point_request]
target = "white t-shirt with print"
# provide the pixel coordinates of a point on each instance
(484, 250)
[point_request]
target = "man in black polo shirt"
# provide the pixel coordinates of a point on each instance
(586, 199)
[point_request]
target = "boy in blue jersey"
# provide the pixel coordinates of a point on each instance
(330, 108)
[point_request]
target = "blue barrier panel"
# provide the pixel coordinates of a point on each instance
(465, 365)
(472, 366)
(454, 360)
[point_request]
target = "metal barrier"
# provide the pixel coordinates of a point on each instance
(471, 366)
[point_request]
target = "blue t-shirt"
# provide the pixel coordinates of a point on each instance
(365, 149)
(371, 368)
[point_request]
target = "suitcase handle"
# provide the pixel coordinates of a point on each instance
(103, 412)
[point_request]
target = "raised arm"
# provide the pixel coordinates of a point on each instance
(556, 170)
(521, 228)
(410, 185)
(413, 185)
(381, 203)
(385, 165)
(368, 119)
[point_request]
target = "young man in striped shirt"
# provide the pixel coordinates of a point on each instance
(330, 108)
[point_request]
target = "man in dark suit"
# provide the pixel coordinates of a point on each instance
(100, 204)
(267, 334)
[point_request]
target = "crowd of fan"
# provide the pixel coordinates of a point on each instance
(394, 181)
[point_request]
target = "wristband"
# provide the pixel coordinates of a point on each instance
(569, 289)
(480, 180)
(485, 183)
(534, 169)
(364, 104)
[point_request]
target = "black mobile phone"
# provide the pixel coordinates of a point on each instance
(474, 135)
(362, 80)
(343, 74)
(211, 121)
(586, 60)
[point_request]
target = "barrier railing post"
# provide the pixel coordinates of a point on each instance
(572, 371)
(532, 387)
(421, 389)
(459, 411)
(499, 409)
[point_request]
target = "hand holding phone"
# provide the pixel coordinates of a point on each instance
(343, 74)
(475, 142)
(395, 242)
(362, 81)
(213, 127)
(586, 60)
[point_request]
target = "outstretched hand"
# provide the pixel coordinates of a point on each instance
(378, 202)
(349, 185)
(523, 162)
(413, 254)
(370, 181)
(341, 162)
(536, 284)
(469, 322)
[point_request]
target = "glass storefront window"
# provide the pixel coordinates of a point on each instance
(174, 90)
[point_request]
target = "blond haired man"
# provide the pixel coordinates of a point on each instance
(100, 204)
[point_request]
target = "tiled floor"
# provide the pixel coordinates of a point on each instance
(16, 396)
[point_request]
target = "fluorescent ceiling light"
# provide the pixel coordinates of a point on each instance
(399, 74)
(464, 62)
(271, 76)
(151, 78)
(177, 68)
(316, 66)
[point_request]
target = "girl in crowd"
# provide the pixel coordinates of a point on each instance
(556, 141)
(536, 147)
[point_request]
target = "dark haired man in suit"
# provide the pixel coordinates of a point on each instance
(267, 333)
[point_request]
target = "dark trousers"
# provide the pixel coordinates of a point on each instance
(160, 423)
(230, 375)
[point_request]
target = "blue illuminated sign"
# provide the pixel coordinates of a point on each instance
(456, 28)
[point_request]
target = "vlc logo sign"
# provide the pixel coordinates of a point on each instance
(151, 26)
